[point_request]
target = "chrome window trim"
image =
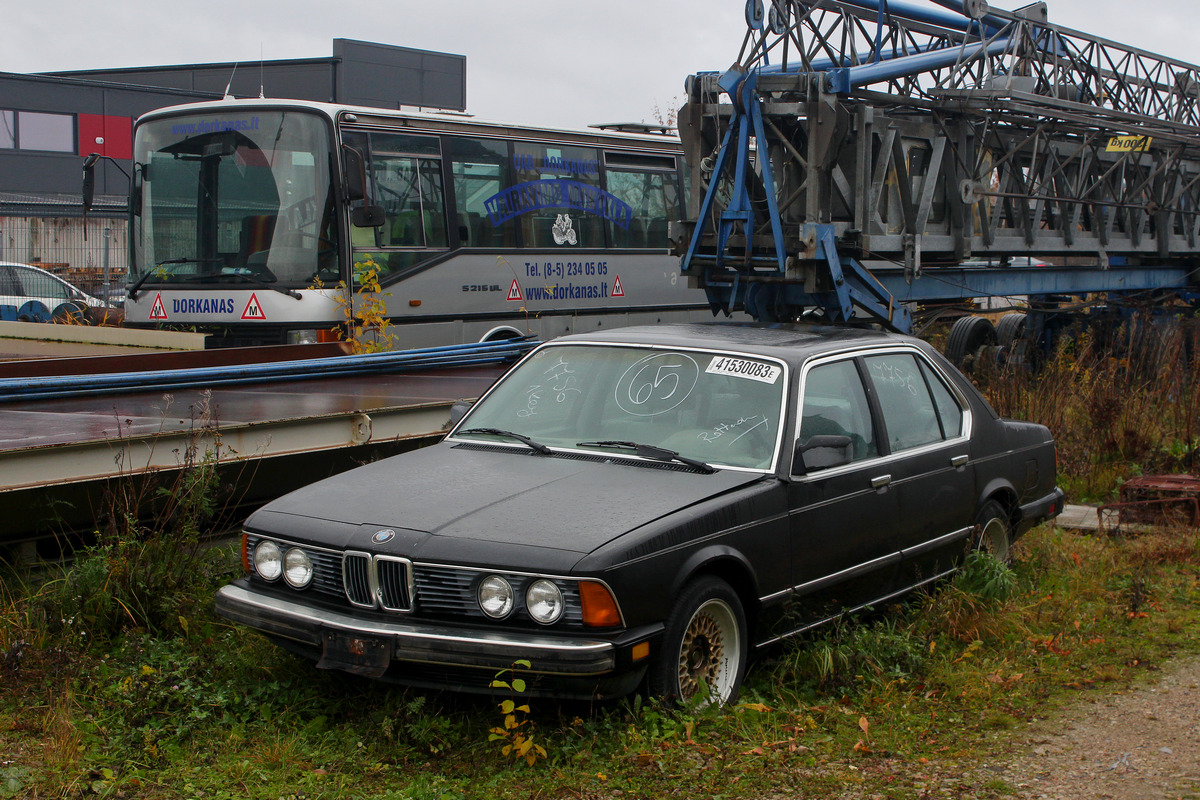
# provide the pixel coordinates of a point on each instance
(851, 353)
(781, 424)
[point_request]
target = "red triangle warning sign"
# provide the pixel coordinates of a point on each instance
(158, 310)
(618, 289)
(253, 309)
(514, 291)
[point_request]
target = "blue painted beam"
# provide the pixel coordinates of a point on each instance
(960, 283)
(203, 377)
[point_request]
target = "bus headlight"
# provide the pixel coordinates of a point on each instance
(268, 560)
(307, 336)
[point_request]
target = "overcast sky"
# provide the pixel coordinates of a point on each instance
(550, 62)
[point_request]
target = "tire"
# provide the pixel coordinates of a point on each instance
(1010, 329)
(705, 642)
(994, 531)
(967, 335)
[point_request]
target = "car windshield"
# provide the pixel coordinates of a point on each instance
(722, 409)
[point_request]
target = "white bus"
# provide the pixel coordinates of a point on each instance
(248, 214)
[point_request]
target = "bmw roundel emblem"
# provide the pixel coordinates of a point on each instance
(383, 536)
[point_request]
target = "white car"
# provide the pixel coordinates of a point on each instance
(29, 293)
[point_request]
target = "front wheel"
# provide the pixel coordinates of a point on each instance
(704, 646)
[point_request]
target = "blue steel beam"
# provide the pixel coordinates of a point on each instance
(960, 283)
(161, 380)
(844, 80)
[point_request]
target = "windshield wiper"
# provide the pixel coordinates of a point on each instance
(525, 440)
(650, 451)
(257, 281)
(150, 273)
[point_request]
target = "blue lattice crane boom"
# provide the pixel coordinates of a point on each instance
(861, 155)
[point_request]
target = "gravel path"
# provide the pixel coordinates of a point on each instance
(1139, 744)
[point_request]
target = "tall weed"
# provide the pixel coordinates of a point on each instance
(1117, 405)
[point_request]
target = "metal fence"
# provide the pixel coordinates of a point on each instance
(98, 262)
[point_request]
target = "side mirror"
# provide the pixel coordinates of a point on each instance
(356, 173)
(89, 181)
(822, 452)
(368, 216)
(458, 411)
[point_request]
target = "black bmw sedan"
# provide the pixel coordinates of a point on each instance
(648, 507)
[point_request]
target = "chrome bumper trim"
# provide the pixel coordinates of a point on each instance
(430, 644)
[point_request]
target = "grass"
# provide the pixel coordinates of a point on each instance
(117, 681)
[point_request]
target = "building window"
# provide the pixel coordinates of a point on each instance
(8, 133)
(50, 132)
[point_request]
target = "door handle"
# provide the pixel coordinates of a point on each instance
(959, 461)
(881, 481)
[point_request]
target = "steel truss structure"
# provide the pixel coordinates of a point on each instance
(859, 151)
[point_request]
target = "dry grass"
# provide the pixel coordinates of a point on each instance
(1125, 405)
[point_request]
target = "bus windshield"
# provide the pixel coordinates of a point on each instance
(234, 199)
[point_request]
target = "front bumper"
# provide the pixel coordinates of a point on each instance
(426, 643)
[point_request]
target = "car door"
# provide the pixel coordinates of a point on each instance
(842, 510)
(925, 427)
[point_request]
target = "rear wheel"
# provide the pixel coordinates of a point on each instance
(704, 646)
(994, 534)
(967, 336)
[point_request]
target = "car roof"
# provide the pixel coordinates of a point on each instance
(28, 266)
(789, 342)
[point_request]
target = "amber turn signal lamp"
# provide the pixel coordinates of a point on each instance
(331, 335)
(640, 651)
(599, 607)
(414, 303)
(245, 553)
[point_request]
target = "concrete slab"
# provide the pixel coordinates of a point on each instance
(1083, 518)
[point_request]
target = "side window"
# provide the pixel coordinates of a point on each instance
(909, 415)
(480, 170)
(949, 411)
(835, 405)
(406, 180)
(558, 195)
(652, 196)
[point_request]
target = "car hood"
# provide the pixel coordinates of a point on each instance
(438, 497)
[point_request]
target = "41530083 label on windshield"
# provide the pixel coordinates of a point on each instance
(744, 368)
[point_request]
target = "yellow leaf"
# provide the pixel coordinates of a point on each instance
(862, 723)
(755, 707)
(507, 707)
(510, 722)
(518, 685)
(523, 708)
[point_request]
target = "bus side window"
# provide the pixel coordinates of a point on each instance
(565, 168)
(653, 198)
(480, 170)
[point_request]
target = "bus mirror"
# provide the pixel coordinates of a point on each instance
(89, 181)
(356, 174)
(367, 217)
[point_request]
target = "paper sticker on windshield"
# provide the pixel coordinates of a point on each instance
(743, 368)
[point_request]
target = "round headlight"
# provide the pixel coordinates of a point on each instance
(297, 568)
(544, 601)
(268, 560)
(495, 597)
